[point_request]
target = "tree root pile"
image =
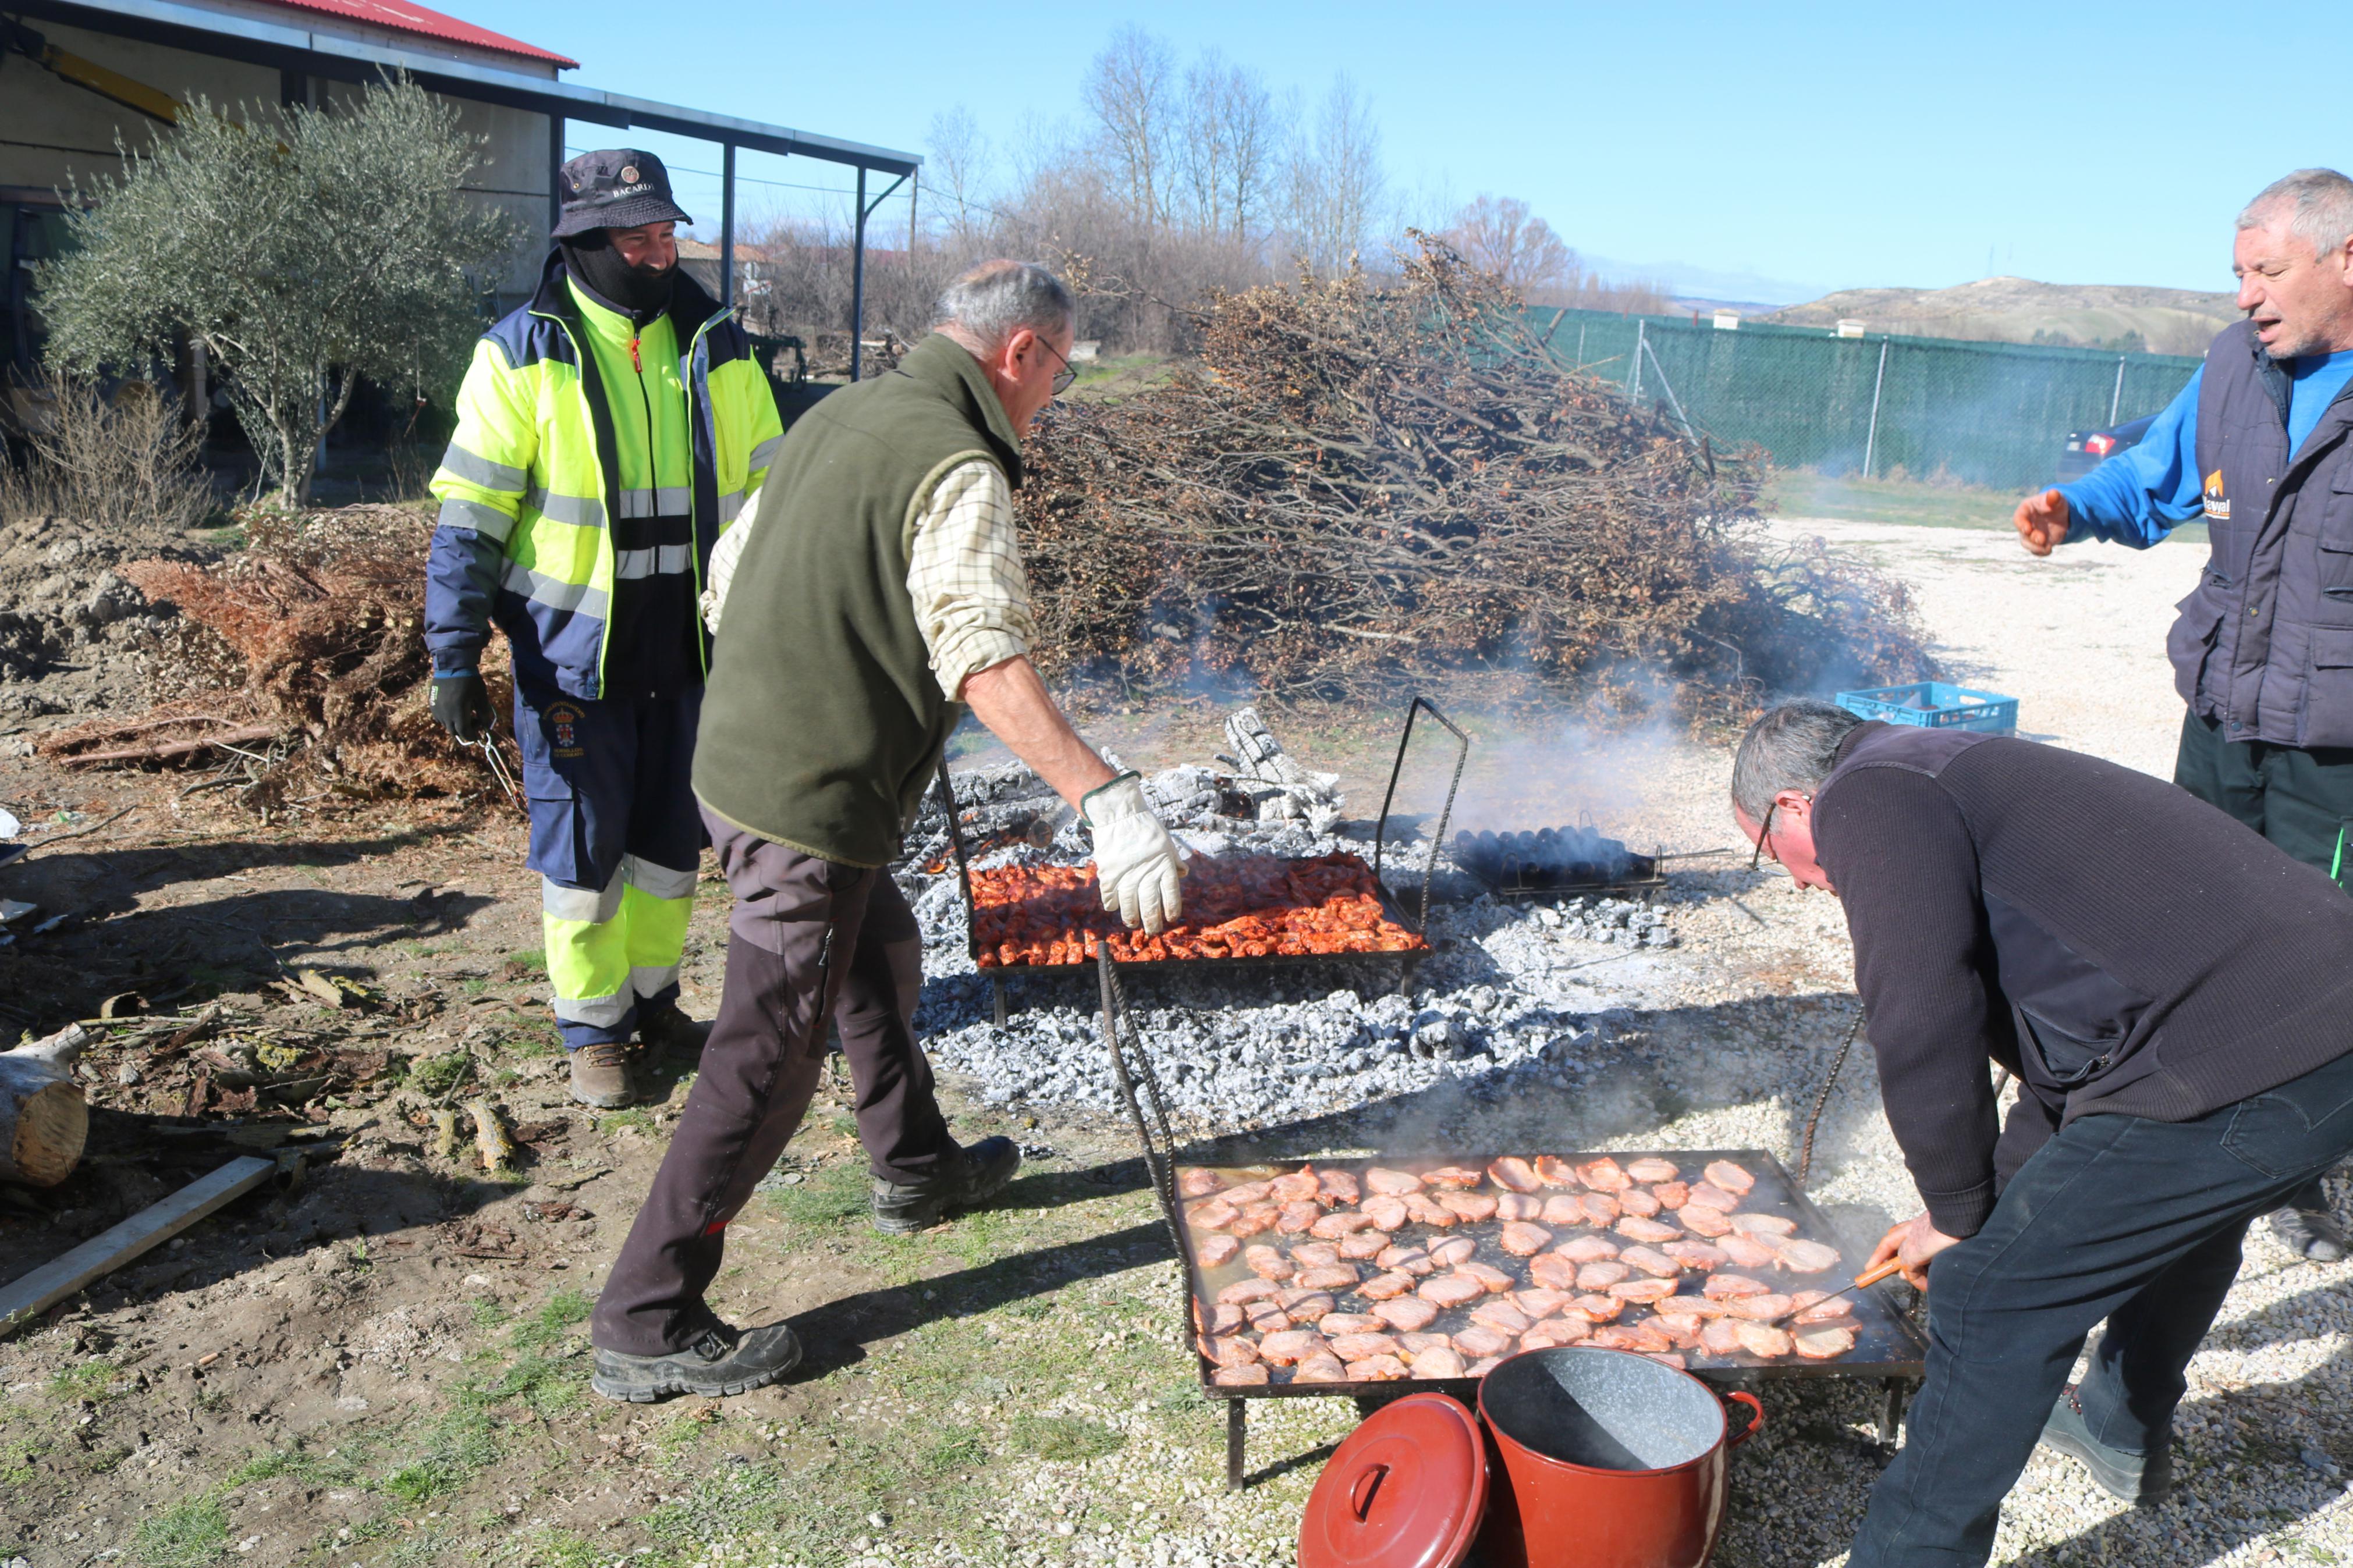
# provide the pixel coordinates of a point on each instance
(1361, 490)
(324, 615)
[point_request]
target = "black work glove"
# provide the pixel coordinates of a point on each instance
(462, 706)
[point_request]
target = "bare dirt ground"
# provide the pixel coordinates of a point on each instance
(384, 1363)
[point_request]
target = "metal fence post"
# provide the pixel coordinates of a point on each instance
(1669, 388)
(1634, 376)
(727, 222)
(2116, 398)
(1870, 441)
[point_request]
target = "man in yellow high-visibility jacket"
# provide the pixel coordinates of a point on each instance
(608, 433)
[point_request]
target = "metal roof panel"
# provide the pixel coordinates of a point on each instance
(401, 16)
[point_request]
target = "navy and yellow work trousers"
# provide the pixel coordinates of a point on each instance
(616, 841)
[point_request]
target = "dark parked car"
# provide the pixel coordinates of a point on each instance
(2087, 449)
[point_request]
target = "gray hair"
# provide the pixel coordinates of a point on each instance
(2321, 208)
(1793, 747)
(998, 299)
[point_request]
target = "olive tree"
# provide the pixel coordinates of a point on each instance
(302, 248)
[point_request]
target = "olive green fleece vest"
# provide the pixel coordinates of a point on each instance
(823, 721)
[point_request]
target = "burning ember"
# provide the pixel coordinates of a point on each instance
(1235, 907)
(1552, 857)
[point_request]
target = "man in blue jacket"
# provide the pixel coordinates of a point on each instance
(2263, 652)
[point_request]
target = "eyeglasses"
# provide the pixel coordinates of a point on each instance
(1066, 376)
(1764, 832)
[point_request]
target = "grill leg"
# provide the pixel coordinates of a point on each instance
(996, 989)
(1236, 1431)
(1891, 1410)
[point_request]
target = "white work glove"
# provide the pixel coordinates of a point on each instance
(1137, 865)
(722, 571)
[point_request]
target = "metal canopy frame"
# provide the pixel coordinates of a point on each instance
(290, 46)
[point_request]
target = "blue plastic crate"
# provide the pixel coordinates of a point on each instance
(1934, 705)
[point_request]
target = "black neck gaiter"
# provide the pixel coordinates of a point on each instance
(640, 293)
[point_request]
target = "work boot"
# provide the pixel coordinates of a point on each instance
(2311, 1234)
(724, 1361)
(600, 1075)
(2141, 1479)
(670, 1035)
(975, 1176)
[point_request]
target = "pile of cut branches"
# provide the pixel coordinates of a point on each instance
(322, 614)
(1364, 490)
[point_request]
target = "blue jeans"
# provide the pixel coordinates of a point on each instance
(2118, 1217)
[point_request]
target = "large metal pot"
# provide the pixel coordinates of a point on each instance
(1614, 1460)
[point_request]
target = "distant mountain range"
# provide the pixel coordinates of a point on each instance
(2020, 311)
(1751, 290)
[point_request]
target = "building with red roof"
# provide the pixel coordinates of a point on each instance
(81, 78)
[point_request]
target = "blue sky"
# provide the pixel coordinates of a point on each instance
(1808, 147)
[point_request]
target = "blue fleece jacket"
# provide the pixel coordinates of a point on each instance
(2137, 497)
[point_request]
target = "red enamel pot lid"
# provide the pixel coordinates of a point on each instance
(1405, 1491)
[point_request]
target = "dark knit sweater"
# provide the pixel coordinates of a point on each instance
(2122, 946)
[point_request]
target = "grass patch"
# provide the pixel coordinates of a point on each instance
(184, 1536)
(546, 1548)
(552, 1322)
(831, 1195)
(620, 1121)
(297, 1462)
(490, 1314)
(521, 965)
(1063, 1437)
(16, 1463)
(92, 1380)
(458, 1445)
(954, 1450)
(548, 1386)
(439, 1075)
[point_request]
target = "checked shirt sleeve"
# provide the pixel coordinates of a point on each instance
(965, 575)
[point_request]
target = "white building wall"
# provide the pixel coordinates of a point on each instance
(53, 134)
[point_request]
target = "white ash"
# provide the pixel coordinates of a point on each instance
(1491, 1005)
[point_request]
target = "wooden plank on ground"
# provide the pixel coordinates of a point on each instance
(44, 1287)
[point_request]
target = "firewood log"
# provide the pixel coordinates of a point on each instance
(44, 1120)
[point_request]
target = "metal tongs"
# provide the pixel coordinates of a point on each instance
(488, 744)
(1862, 1281)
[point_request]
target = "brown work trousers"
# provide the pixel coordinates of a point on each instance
(808, 940)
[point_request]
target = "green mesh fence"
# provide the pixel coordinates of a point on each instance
(1981, 414)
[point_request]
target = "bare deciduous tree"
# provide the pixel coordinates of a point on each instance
(1129, 90)
(1229, 148)
(1335, 181)
(1500, 235)
(957, 173)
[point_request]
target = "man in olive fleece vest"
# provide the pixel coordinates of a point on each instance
(2260, 445)
(878, 585)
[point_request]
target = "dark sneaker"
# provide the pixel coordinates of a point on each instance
(600, 1076)
(724, 1361)
(979, 1175)
(670, 1034)
(2311, 1234)
(2141, 1479)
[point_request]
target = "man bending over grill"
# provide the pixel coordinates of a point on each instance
(877, 584)
(2175, 996)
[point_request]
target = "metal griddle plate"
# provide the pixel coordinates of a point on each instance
(1885, 1344)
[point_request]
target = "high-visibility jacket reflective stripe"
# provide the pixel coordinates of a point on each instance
(533, 474)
